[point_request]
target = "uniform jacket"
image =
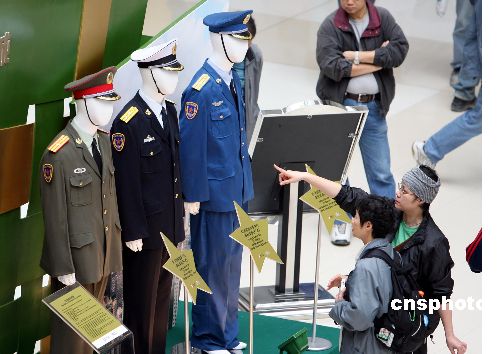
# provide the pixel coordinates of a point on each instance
(427, 251)
(82, 227)
(148, 182)
(370, 291)
(336, 35)
(253, 71)
(215, 166)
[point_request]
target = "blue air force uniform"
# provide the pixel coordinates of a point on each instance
(215, 170)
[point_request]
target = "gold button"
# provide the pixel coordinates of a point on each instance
(221, 116)
(81, 183)
(176, 195)
(175, 179)
(174, 164)
(106, 228)
(104, 196)
(105, 211)
(151, 153)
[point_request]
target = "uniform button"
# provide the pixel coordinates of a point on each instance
(105, 211)
(81, 183)
(104, 196)
(174, 164)
(243, 157)
(241, 129)
(176, 195)
(106, 228)
(102, 182)
(175, 180)
(221, 116)
(242, 144)
(151, 153)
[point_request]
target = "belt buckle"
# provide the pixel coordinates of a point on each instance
(360, 98)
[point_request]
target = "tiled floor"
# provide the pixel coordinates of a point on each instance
(287, 37)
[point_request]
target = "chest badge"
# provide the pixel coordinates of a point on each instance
(80, 170)
(48, 172)
(191, 109)
(217, 103)
(218, 80)
(118, 140)
(149, 139)
(148, 112)
(78, 141)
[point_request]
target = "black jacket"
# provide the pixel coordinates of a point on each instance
(336, 35)
(147, 176)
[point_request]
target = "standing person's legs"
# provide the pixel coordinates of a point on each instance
(460, 130)
(464, 12)
(374, 146)
(216, 255)
(470, 71)
(141, 273)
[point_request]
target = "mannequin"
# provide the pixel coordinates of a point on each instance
(157, 84)
(145, 137)
(215, 172)
(82, 240)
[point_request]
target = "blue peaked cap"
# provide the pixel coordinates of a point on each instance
(234, 23)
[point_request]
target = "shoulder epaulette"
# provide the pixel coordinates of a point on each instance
(198, 85)
(169, 101)
(131, 112)
(58, 144)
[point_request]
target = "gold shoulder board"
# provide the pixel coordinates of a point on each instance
(198, 85)
(131, 112)
(58, 144)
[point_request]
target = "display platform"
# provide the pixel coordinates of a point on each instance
(269, 332)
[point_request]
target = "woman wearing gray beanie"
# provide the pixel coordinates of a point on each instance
(417, 238)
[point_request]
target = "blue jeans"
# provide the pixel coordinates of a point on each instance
(460, 130)
(375, 152)
(464, 12)
(470, 71)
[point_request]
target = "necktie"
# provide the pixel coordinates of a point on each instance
(97, 155)
(164, 118)
(233, 92)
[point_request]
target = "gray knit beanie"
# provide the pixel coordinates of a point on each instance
(422, 185)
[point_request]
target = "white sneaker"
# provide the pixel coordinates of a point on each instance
(341, 235)
(241, 346)
(419, 155)
(221, 351)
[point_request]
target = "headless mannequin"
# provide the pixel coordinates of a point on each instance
(90, 114)
(227, 50)
(156, 83)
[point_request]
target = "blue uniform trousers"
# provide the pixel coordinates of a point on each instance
(218, 260)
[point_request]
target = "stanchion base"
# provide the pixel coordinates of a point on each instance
(267, 300)
(318, 344)
(180, 348)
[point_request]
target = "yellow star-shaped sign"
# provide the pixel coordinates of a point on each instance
(181, 264)
(325, 205)
(253, 235)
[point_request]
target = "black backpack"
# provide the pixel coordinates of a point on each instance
(401, 330)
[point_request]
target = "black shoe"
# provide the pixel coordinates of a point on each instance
(459, 105)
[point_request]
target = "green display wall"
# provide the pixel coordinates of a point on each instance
(43, 57)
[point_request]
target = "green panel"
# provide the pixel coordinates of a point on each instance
(9, 224)
(125, 30)
(29, 245)
(33, 315)
(42, 53)
(9, 327)
(49, 122)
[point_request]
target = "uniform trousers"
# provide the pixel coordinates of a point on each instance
(218, 260)
(146, 295)
(63, 338)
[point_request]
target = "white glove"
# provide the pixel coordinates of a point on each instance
(186, 222)
(135, 245)
(192, 208)
(441, 6)
(68, 279)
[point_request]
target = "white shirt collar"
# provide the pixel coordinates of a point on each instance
(86, 137)
(155, 106)
(226, 76)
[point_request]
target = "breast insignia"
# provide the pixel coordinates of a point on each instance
(198, 85)
(129, 114)
(58, 144)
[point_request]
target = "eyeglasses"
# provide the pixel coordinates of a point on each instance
(402, 189)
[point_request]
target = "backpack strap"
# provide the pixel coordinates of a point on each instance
(378, 253)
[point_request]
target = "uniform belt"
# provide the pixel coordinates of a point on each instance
(362, 98)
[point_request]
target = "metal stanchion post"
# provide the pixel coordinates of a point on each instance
(317, 343)
(186, 321)
(251, 306)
